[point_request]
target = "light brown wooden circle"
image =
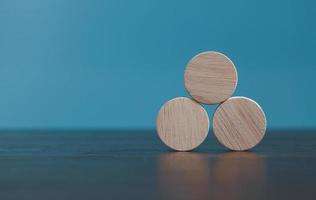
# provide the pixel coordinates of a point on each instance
(239, 123)
(182, 124)
(210, 77)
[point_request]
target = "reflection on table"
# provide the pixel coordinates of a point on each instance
(232, 175)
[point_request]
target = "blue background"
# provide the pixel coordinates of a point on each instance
(113, 63)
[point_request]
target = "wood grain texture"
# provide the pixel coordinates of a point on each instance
(239, 123)
(210, 77)
(182, 124)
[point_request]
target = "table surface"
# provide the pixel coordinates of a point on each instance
(134, 164)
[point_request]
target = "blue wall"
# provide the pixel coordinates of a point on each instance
(113, 63)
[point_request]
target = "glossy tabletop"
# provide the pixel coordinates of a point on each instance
(96, 164)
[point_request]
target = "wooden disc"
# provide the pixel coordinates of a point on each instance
(239, 123)
(210, 77)
(182, 124)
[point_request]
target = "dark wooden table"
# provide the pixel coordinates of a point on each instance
(136, 165)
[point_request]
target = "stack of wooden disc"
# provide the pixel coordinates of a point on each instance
(239, 123)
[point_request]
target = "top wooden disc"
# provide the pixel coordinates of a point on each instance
(239, 123)
(210, 77)
(182, 124)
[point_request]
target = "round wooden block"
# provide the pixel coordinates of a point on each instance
(182, 124)
(210, 77)
(239, 123)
